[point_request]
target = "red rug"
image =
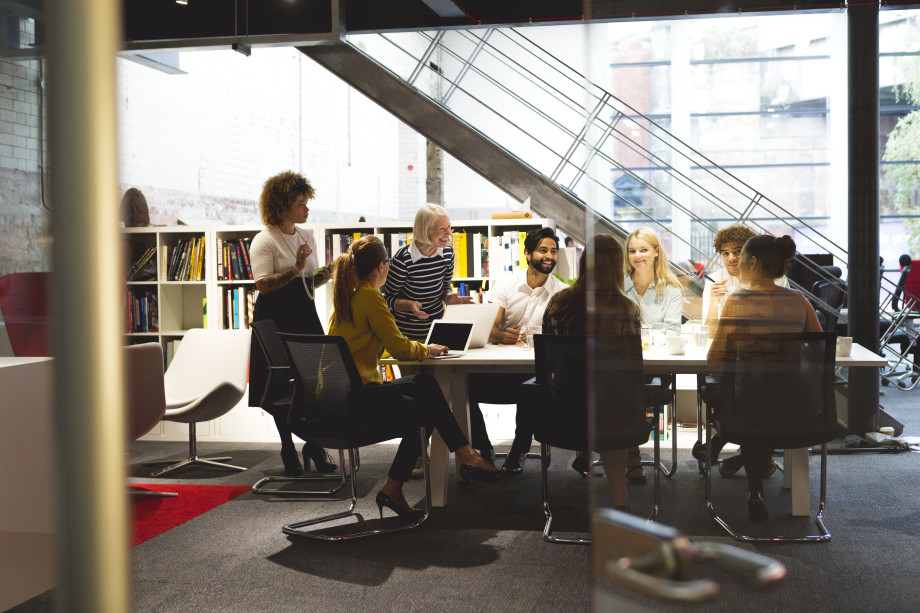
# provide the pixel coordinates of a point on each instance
(153, 516)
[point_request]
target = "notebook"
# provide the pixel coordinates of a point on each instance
(483, 314)
(455, 335)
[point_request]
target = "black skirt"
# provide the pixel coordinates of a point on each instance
(293, 311)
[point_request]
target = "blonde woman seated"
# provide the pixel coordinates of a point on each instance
(762, 307)
(361, 316)
(567, 313)
(658, 294)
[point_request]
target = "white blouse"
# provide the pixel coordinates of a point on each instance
(274, 251)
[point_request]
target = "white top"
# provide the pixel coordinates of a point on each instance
(733, 284)
(274, 251)
(522, 304)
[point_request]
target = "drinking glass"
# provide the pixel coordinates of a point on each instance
(702, 336)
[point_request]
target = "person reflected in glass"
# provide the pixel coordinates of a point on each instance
(761, 307)
(659, 295)
(362, 317)
(614, 314)
(283, 263)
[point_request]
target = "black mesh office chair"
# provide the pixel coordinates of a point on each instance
(327, 392)
(570, 386)
(778, 390)
(276, 400)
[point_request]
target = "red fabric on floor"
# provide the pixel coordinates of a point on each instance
(153, 516)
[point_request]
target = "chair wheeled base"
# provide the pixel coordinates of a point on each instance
(192, 459)
(295, 529)
(259, 487)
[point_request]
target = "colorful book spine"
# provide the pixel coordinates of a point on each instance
(244, 244)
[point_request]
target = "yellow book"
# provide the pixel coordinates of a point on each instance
(200, 268)
(455, 243)
(464, 272)
(521, 238)
(356, 235)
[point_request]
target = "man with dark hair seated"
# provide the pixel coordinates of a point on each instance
(523, 298)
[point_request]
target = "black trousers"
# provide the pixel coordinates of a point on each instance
(497, 388)
(429, 409)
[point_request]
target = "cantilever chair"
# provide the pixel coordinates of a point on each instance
(145, 397)
(778, 389)
(276, 400)
(206, 379)
(579, 378)
(327, 393)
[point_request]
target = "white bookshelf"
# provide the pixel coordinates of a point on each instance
(179, 303)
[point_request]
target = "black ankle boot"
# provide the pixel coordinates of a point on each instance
(320, 457)
(292, 467)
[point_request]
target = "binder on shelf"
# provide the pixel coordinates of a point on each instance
(522, 259)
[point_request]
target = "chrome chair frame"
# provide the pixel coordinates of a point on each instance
(354, 385)
(824, 535)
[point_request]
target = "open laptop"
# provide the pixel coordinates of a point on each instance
(483, 314)
(455, 335)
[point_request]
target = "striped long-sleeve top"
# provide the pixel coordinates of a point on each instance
(422, 279)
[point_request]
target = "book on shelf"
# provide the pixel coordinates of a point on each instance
(171, 348)
(174, 261)
(234, 261)
(220, 259)
(144, 267)
(522, 259)
(244, 243)
(141, 312)
(455, 245)
(484, 256)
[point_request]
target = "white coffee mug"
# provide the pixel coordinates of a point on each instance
(676, 345)
(844, 346)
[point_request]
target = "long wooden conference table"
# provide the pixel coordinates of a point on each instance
(452, 374)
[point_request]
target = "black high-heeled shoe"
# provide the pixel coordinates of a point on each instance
(406, 513)
(320, 457)
(757, 508)
(292, 467)
(634, 472)
(470, 472)
(580, 465)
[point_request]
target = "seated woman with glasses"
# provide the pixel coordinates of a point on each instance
(761, 308)
(361, 316)
(567, 313)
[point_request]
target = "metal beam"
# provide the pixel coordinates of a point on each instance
(465, 143)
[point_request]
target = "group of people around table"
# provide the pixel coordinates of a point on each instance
(386, 302)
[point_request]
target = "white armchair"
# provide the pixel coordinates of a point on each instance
(206, 378)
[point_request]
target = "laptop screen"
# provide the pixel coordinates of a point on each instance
(454, 335)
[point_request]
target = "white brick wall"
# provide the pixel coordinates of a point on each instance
(19, 98)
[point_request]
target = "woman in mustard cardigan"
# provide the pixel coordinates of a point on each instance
(361, 316)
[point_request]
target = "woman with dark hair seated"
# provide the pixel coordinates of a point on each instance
(361, 316)
(761, 307)
(614, 313)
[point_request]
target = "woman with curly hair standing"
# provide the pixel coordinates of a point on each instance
(283, 260)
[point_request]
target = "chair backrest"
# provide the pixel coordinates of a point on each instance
(779, 388)
(589, 385)
(830, 294)
(145, 396)
(24, 304)
(278, 383)
(912, 284)
(206, 359)
(325, 378)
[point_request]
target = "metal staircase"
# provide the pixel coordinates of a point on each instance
(535, 127)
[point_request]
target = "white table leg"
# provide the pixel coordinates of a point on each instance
(438, 452)
(796, 471)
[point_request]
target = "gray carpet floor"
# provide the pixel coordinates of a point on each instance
(483, 552)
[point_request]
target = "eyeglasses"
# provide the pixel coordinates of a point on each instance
(387, 260)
